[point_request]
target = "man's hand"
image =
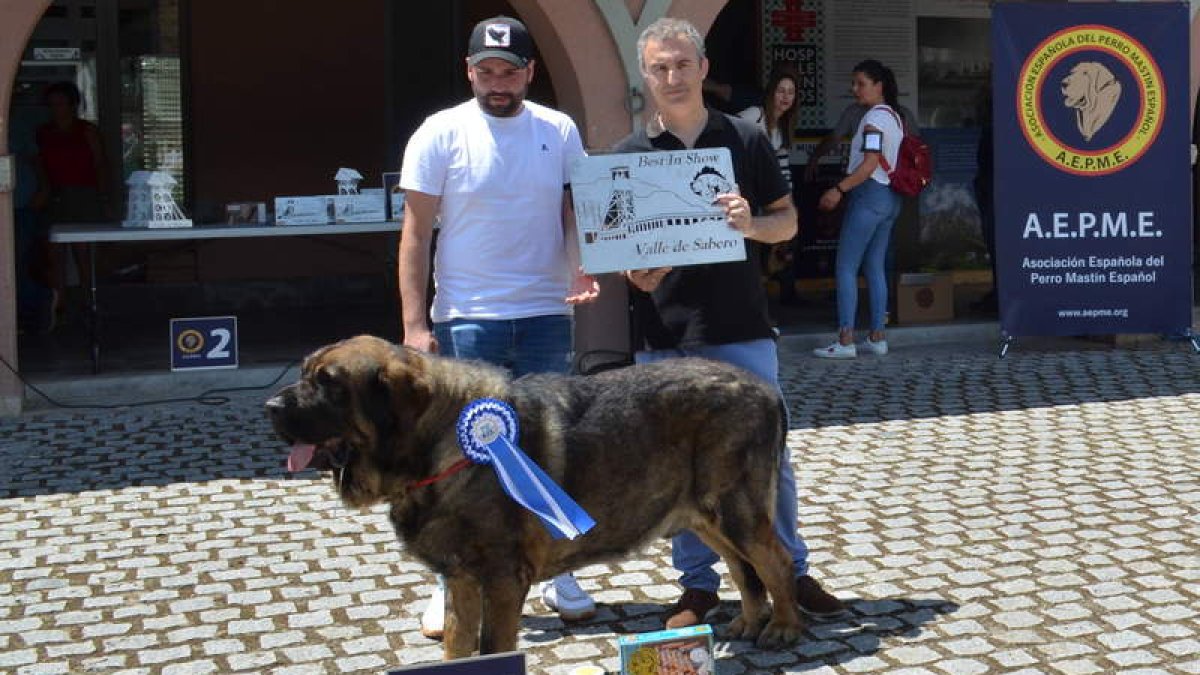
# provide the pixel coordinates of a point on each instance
(647, 280)
(421, 340)
(737, 212)
(584, 289)
(40, 200)
(830, 199)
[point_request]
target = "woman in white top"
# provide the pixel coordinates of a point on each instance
(871, 209)
(776, 117)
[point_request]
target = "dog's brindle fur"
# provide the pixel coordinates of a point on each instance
(646, 450)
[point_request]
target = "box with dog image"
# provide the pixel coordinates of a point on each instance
(681, 651)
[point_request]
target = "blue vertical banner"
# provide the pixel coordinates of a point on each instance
(1093, 173)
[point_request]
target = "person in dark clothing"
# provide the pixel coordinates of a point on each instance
(72, 175)
(776, 117)
(985, 199)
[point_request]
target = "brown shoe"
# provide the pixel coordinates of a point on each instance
(816, 601)
(691, 608)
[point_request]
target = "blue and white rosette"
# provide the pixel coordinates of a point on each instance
(487, 432)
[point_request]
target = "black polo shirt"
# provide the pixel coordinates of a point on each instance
(716, 303)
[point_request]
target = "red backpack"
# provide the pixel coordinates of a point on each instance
(914, 162)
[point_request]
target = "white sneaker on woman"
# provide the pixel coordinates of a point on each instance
(562, 594)
(836, 350)
(433, 619)
(874, 347)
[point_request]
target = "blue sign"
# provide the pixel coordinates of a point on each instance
(205, 342)
(512, 663)
(1093, 167)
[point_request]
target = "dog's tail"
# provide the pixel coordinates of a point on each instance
(781, 447)
(783, 423)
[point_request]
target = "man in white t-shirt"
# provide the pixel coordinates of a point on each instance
(494, 170)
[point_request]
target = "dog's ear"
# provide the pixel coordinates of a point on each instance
(1091, 77)
(316, 359)
(1105, 79)
(404, 382)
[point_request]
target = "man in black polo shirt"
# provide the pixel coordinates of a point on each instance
(716, 311)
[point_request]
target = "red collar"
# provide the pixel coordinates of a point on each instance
(453, 469)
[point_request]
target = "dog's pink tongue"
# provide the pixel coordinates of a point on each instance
(302, 454)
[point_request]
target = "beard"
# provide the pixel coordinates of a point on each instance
(500, 105)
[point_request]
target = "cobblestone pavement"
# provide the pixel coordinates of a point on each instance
(1035, 515)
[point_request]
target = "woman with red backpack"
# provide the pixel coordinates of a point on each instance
(871, 209)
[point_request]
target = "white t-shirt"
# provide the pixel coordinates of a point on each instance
(852, 115)
(783, 153)
(500, 251)
(882, 118)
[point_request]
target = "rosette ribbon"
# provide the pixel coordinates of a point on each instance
(487, 432)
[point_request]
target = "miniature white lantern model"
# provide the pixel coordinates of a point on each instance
(150, 201)
(347, 181)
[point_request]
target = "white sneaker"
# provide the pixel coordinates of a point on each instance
(879, 347)
(433, 619)
(562, 594)
(836, 350)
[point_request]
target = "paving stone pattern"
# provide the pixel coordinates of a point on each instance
(1032, 515)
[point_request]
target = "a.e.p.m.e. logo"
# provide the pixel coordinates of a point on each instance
(1090, 100)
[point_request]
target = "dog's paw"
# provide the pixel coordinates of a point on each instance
(742, 629)
(778, 635)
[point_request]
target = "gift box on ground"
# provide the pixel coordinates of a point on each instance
(682, 651)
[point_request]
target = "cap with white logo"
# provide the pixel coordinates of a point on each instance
(500, 37)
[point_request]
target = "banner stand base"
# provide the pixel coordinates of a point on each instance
(1006, 341)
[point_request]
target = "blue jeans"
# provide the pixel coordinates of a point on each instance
(538, 344)
(866, 229)
(689, 555)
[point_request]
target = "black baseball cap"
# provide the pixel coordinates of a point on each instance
(500, 37)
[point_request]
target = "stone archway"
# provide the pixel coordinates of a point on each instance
(17, 21)
(583, 57)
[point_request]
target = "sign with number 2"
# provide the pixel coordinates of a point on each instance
(204, 343)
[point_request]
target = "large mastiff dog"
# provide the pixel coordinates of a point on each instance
(646, 450)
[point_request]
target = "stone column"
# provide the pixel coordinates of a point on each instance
(17, 19)
(579, 46)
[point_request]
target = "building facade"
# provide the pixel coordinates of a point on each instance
(242, 101)
(271, 101)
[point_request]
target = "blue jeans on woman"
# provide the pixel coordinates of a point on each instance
(689, 555)
(537, 344)
(871, 212)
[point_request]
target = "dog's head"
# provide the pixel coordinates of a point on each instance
(354, 402)
(1092, 91)
(1082, 87)
(1076, 86)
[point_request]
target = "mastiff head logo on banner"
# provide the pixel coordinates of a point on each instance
(1090, 100)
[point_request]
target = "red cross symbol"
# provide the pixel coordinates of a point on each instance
(793, 19)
